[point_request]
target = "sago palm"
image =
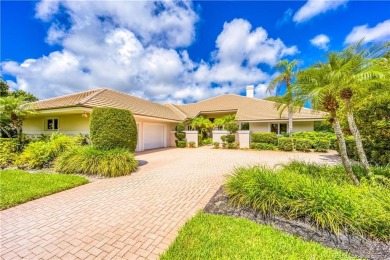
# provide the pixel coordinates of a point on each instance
(313, 85)
(358, 73)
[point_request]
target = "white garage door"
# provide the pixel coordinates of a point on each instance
(153, 136)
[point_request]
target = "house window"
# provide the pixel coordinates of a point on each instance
(279, 128)
(52, 124)
(282, 128)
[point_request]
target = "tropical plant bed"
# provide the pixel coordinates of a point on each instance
(20, 186)
(356, 245)
(208, 236)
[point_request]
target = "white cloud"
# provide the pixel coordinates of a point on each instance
(321, 41)
(315, 7)
(103, 46)
(380, 32)
(285, 19)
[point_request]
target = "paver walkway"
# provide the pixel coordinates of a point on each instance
(132, 217)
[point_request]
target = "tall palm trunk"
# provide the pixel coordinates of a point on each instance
(358, 141)
(343, 149)
(290, 120)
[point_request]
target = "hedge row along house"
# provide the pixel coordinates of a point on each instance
(70, 114)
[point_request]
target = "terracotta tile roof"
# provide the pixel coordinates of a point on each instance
(109, 98)
(248, 109)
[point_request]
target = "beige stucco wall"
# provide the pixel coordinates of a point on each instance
(259, 127)
(76, 124)
(67, 124)
(303, 126)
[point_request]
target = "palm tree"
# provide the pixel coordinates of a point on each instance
(202, 124)
(315, 85)
(285, 77)
(13, 110)
(358, 73)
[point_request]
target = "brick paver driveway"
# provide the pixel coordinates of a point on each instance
(129, 217)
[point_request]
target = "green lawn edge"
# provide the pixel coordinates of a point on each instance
(208, 236)
(19, 186)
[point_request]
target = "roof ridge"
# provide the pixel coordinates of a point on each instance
(177, 109)
(71, 94)
(207, 99)
(126, 94)
(99, 90)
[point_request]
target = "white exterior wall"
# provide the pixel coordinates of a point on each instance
(259, 127)
(303, 126)
(217, 135)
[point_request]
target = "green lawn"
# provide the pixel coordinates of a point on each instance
(209, 236)
(20, 186)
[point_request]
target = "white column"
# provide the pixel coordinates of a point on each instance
(217, 135)
(172, 139)
(192, 136)
(244, 138)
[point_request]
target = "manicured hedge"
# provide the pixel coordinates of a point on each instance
(112, 128)
(322, 145)
(303, 145)
(262, 146)
(268, 138)
(91, 161)
(286, 143)
(180, 136)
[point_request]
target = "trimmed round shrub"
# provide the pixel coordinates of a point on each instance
(223, 138)
(191, 144)
(91, 161)
(181, 144)
(303, 145)
(262, 146)
(206, 141)
(232, 127)
(230, 139)
(216, 145)
(180, 127)
(267, 138)
(286, 143)
(113, 128)
(233, 145)
(321, 145)
(180, 135)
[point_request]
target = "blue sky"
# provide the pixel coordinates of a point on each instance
(174, 51)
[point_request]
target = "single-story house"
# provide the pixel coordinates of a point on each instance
(70, 114)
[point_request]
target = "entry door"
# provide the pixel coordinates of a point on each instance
(153, 136)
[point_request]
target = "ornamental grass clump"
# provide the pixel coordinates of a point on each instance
(322, 195)
(91, 161)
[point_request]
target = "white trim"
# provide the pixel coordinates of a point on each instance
(46, 124)
(75, 110)
(155, 118)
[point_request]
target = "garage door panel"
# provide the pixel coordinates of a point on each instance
(153, 136)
